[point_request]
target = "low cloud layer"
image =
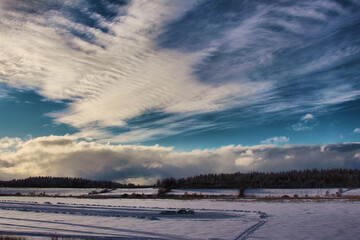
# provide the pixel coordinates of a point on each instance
(66, 156)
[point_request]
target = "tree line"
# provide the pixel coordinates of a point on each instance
(324, 178)
(60, 182)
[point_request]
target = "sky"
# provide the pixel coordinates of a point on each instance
(134, 91)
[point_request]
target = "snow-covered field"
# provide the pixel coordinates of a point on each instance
(262, 192)
(49, 191)
(266, 192)
(309, 192)
(316, 192)
(213, 219)
(352, 192)
(121, 191)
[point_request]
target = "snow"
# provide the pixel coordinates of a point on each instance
(262, 192)
(121, 191)
(213, 219)
(206, 192)
(352, 192)
(303, 192)
(107, 218)
(50, 191)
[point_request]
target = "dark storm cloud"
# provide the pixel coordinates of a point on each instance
(307, 157)
(121, 165)
(341, 148)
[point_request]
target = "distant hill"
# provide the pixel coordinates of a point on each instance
(324, 178)
(61, 182)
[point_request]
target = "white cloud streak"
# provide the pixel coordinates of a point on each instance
(307, 116)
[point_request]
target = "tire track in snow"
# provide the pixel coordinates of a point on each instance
(71, 236)
(250, 230)
(130, 211)
(105, 211)
(119, 230)
(56, 229)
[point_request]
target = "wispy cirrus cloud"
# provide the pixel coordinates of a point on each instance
(109, 68)
(3, 93)
(306, 122)
(286, 45)
(115, 61)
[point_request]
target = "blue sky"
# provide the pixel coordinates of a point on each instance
(182, 75)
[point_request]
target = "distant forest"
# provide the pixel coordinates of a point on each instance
(60, 182)
(324, 178)
(333, 178)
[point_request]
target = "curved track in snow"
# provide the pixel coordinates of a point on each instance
(96, 221)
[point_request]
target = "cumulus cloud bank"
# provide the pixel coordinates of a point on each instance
(66, 156)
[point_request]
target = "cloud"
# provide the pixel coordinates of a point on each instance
(3, 93)
(357, 131)
(289, 157)
(307, 122)
(307, 117)
(113, 63)
(10, 143)
(147, 163)
(267, 42)
(243, 161)
(109, 68)
(276, 140)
